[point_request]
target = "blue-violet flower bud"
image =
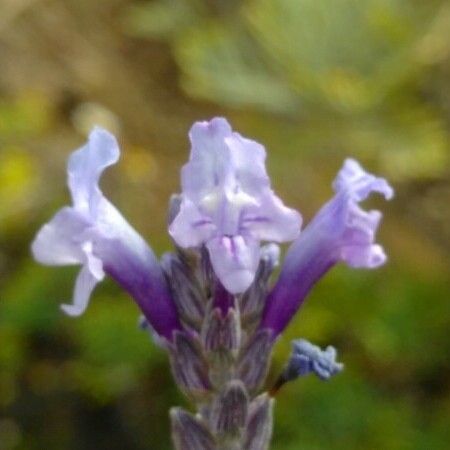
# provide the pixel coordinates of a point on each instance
(308, 358)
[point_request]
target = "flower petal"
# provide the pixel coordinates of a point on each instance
(209, 162)
(87, 164)
(84, 286)
(358, 183)
(369, 257)
(271, 220)
(248, 161)
(93, 263)
(58, 242)
(234, 260)
(190, 228)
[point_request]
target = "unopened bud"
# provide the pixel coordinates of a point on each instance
(189, 368)
(229, 412)
(259, 424)
(187, 293)
(254, 359)
(221, 333)
(189, 432)
(308, 358)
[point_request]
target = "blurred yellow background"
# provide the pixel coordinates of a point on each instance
(315, 81)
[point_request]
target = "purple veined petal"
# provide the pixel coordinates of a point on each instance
(271, 220)
(56, 242)
(234, 260)
(190, 228)
(227, 215)
(86, 165)
(340, 231)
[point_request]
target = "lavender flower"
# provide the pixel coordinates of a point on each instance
(93, 233)
(341, 231)
(211, 307)
(228, 205)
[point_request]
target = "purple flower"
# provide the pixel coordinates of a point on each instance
(94, 234)
(341, 231)
(228, 204)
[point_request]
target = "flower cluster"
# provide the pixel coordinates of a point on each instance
(211, 302)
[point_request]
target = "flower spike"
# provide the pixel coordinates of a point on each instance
(341, 231)
(94, 234)
(210, 303)
(228, 205)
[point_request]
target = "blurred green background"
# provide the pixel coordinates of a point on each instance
(315, 81)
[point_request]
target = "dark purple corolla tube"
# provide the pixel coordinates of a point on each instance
(144, 281)
(341, 231)
(222, 298)
(92, 233)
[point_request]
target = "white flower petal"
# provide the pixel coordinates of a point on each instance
(84, 285)
(86, 166)
(57, 242)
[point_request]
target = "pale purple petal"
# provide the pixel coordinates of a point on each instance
(190, 228)
(248, 161)
(354, 179)
(234, 260)
(209, 163)
(86, 165)
(358, 248)
(271, 220)
(58, 242)
(84, 285)
(92, 262)
(341, 231)
(371, 256)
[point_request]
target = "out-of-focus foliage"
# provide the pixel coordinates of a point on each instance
(315, 80)
(355, 59)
